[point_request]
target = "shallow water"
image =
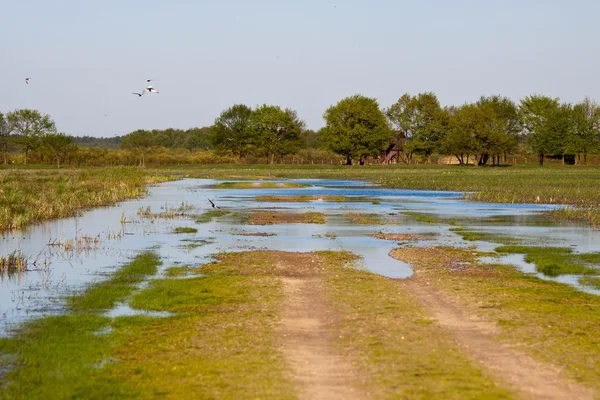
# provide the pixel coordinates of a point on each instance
(61, 272)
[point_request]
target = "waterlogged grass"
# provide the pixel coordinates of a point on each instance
(32, 196)
(555, 261)
(364, 219)
(396, 343)
(259, 185)
(104, 295)
(273, 218)
(584, 214)
(553, 322)
(60, 358)
(300, 199)
(210, 215)
(486, 237)
(592, 282)
(220, 344)
(183, 229)
(550, 184)
(427, 218)
(177, 272)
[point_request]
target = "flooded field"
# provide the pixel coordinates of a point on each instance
(64, 256)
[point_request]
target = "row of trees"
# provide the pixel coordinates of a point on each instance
(356, 129)
(31, 130)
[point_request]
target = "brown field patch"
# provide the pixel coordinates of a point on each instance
(274, 218)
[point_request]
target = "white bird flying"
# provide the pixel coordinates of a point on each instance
(139, 94)
(150, 89)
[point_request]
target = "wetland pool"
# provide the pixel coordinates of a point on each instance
(70, 254)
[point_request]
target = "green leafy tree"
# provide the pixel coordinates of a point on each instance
(140, 142)
(59, 146)
(28, 127)
(402, 116)
(474, 129)
(276, 132)
(4, 137)
(586, 128)
(430, 124)
(546, 123)
(355, 128)
(508, 113)
(232, 132)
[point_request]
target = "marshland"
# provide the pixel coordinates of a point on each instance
(160, 294)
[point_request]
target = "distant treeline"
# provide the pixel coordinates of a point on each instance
(415, 129)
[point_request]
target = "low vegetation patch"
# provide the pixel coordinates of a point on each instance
(486, 237)
(273, 218)
(364, 219)
(185, 229)
(553, 322)
(259, 185)
(592, 282)
(427, 218)
(104, 295)
(555, 261)
(210, 215)
(400, 237)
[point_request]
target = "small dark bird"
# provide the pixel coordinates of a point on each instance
(149, 80)
(27, 80)
(139, 94)
(213, 204)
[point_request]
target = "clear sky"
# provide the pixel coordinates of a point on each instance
(86, 57)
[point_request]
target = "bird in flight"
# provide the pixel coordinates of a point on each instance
(213, 204)
(150, 89)
(149, 80)
(27, 80)
(139, 94)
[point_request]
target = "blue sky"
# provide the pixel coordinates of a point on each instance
(86, 57)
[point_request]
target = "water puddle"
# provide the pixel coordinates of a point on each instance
(72, 253)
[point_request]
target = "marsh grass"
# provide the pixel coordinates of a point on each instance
(273, 218)
(551, 321)
(210, 215)
(104, 295)
(33, 196)
(14, 263)
(421, 217)
(555, 261)
(220, 344)
(592, 282)
(486, 237)
(364, 219)
(184, 229)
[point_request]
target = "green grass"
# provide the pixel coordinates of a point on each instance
(427, 218)
(104, 295)
(33, 196)
(486, 237)
(553, 322)
(555, 261)
(208, 216)
(397, 344)
(175, 272)
(220, 344)
(182, 229)
(590, 281)
(364, 219)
